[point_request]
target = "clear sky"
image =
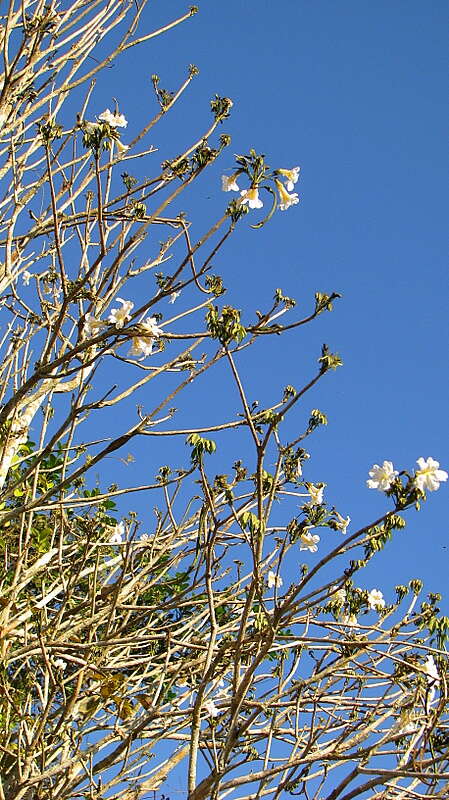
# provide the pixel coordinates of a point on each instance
(352, 91)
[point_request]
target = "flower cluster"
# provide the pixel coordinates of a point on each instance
(274, 581)
(117, 534)
(376, 599)
(119, 316)
(142, 345)
(99, 135)
(427, 477)
(259, 175)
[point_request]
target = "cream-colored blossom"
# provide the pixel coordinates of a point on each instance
(251, 196)
(115, 120)
(91, 325)
(211, 708)
(350, 620)
(142, 345)
(285, 199)
(405, 722)
(274, 580)
(339, 596)
(341, 523)
(117, 534)
(121, 148)
(376, 599)
(429, 476)
(119, 316)
(229, 184)
(381, 477)
(26, 277)
(59, 663)
(291, 175)
(316, 494)
(309, 541)
(430, 668)
(173, 297)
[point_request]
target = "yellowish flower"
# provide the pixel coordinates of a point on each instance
(292, 176)
(251, 196)
(285, 199)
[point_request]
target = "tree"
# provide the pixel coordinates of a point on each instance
(126, 654)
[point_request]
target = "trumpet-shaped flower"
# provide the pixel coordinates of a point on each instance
(173, 297)
(251, 196)
(151, 326)
(115, 120)
(117, 534)
(143, 344)
(350, 620)
(211, 708)
(405, 722)
(430, 668)
(91, 325)
(341, 523)
(274, 580)
(119, 316)
(26, 277)
(291, 175)
(429, 476)
(229, 184)
(376, 599)
(316, 494)
(381, 477)
(121, 148)
(338, 596)
(286, 199)
(309, 541)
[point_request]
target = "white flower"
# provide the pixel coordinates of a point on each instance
(229, 184)
(339, 596)
(91, 325)
(274, 580)
(142, 345)
(173, 297)
(59, 663)
(428, 476)
(430, 668)
(286, 199)
(376, 599)
(404, 723)
(151, 326)
(381, 477)
(115, 120)
(309, 542)
(211, 708)
(26, 277)
(251, 196)
(316, 494)
(90, 127)
(292, 176)
(121, 148)
(342, 523)
(146, 538)
(117, 534)
(350, 620)
(119, 316)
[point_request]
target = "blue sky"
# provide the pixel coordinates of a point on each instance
(353, 93)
